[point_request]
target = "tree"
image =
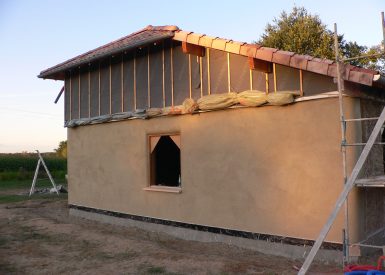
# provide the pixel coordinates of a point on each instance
(375, 63)
(299, 32)
(61, 151)
(304, 33)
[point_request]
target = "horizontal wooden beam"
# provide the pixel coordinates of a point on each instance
(193, 49)
(260, 65)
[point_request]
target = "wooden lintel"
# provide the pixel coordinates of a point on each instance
(193, 49)
(260, 65)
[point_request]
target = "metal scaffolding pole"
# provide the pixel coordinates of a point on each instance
(340, 69)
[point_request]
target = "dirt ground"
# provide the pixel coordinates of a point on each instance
(39, 237)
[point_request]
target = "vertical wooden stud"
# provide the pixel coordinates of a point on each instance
(228, 73)
(189, 75)
(163, 78)
(135, 81)
(79, 98)
(122, 82)
(148, 79)
(275, 78)
(267, 82)
(110, 87)
(208, 72)
(70, 95)
(300, 83)
(172, 77)
(201, 74)
(99, 87)
(89, 91)
(251, 79)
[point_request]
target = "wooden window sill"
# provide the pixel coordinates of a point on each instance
(167, 189)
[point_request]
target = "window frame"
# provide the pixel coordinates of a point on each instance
(162, 188)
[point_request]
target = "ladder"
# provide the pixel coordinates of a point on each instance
(41, 161)
(350, 182)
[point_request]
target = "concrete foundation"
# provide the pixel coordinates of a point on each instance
(271, 248)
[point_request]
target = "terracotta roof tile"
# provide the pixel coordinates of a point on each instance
(332, 70)
(248, 49)
(265, 53)
(282, 57)
(206, 41)
(317, 66)
(359, 77)
(308, 57)
(193, 38)
(219, 44)
(234, 47)
(181, 36)
(328, 61)
(298, 61)
(363, 70)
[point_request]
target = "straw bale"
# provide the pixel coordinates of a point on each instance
(280, 98)
(217, 101)
(189, 106)
(153, 112)
(252, 98)
(172, 110)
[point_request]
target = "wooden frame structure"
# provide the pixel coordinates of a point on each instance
(192, 51)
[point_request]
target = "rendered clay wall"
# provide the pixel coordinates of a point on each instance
(272, 170)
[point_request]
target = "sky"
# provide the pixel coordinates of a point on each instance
(38, 34)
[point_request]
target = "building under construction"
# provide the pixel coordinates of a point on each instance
(145, 148)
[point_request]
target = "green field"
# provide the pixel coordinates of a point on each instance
(17, 171)
(22, 166)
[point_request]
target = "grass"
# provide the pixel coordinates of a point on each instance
(26, 184)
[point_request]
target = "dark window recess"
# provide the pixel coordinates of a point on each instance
(165, 160)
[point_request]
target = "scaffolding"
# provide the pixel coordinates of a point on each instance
(352, 181)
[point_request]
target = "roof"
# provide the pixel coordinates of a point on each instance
(152, 34)
(148, 35)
